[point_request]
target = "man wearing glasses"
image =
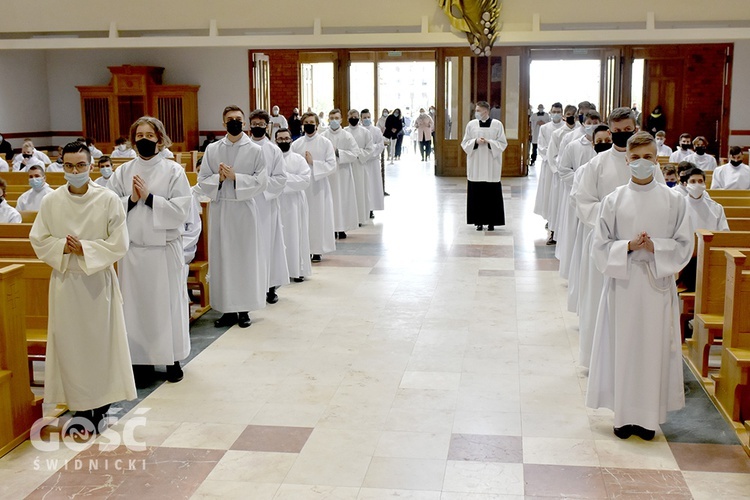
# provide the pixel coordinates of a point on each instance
(81, 231)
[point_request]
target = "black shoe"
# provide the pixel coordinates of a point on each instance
(298, 280)
(624, 432)
(174, 372)
(551, 240)
(372, 215)
(480, 227)
(342, 235)
(244, 320)
(227, 319)
(271, 296)
(144, 375)
(80, 425)
(643, 433)
(385, 194)
(490, 228)
(315, 258)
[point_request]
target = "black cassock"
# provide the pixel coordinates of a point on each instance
(484, 200)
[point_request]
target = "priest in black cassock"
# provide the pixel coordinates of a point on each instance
(484, 143)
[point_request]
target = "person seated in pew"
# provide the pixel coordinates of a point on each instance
(732, 175)
(28, 157)
(105, 168)
(700, 158)
(642, 239)
(682, 168)
(661, 139)
(57, 165)
(670, 175)
(32, 199)
(679, 154)
(4, 167)
(81, 231)
(8, 214)
(122, 149)
(6, 150)
(95, 152)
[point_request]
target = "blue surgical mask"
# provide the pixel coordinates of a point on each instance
(36, 183)
(642, 168)
(334, 124)
(671, 184)
(367, 122)
(77, 180)
(589, 129)
(106, 172)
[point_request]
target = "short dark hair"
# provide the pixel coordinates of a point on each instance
(684, 166)
(308, 114)
(38, 167)
(556, 105)
(275, 134)
(120, 140)
(669, 169)
(103, 159)
(600, 128)
(594, 115)
(483, 104)
(686, 136)
(621, 114)
(364, 111)
(694, 171)
(229, 109)
(76, 147)
(334, 111)
(261, 114)
(735, 150)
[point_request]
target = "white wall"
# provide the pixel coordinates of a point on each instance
(24, 105)
(739, 116)
(222, 74)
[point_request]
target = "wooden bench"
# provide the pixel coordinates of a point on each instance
(737, 212)
(709, 293)
(735, 201)
(728, 193)
(19, 408)
(198, 268)
(733, 381)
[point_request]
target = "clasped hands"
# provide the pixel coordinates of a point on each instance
(226, 172)
(140, 190)
(481, 140)
(73, 245)
(641, 242)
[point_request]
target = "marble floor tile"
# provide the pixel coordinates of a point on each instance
(253, 466)
(483, 477)
(388, 494)
(563, 481)
(560, 451)
(634, 453)
(316, 492)
(239, 490)
(417, 445)
(204, 435)
(405, 474)
(711, 458)
(645, 483)
(269, 438)
(483, 448)
(487, 423)
(712, 485)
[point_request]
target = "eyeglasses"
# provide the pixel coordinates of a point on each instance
(79, 167)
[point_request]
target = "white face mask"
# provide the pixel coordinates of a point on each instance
(106, 172)
(36, 183)
(77, 180)
(334, 124)
(642, 168)
(556, 117)
(696, 190)
(660, 142)
(589, 129)
(122, 147)
(479, 116)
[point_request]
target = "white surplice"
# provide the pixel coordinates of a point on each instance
(636, 361)
(364, 140)
(191, 230)
(319, 197)
(559, 140)
(578, 260)
(235, 263)
(102, 181)
(373, 178)
(728, 176)
(295, 215)
(545, 175)
(8, 214)
(128, 153)
(484, 163)
(705, 162)
(19, 166)
(679, 155)
(88, 362)
(343, 190)
(31, 200)
(4, 167)
(705, 213)
(604, 173)
(152, 274)
(269, 215)
(55, 166)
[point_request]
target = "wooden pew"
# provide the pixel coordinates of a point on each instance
(737, 201)
(709, 293)
(737, 212)
(198, 273)
(16, 247)
(19, 408)
(15, 230)
(733, 381)
(739, 224)
(27, 216)
(728, 193)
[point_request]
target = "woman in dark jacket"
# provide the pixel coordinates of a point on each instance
(657, 121)
(394, 131)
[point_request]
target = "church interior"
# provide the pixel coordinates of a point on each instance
(423, 359)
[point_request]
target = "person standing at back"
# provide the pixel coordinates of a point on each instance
(537, 120)
(425, 127)
(394, 132)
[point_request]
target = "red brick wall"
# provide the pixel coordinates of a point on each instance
(285, 80)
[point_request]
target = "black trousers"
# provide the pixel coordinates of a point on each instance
(399, 140)
(533, 152)
(484, 204)
(425, 148)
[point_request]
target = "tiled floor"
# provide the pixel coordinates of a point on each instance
(424, 360)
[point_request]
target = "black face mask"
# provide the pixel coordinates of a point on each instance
(580, 118)
(284, 146)
(620, 139)
(735, 163)
(353, 121)
(700, 150)
(27, 156)
(258, 132)
(309, 128)
(684, 146)
(570, 120)
(146, 148)
(234, 127)
(602, 147)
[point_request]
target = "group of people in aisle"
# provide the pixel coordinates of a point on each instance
(275, 205)
(622, 230)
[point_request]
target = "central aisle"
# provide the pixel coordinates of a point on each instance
(423, 360)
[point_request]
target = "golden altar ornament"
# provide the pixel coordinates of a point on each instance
(478, 19)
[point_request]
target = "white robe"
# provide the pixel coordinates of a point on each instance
(269, 215)
(88, 363)
(664, 150)
(544, 183)
(18, 165)
(705, 213)
(319, 197)
(364, 140)
(373, 178)
(128, 153)
(55, 167)
(343, 190)
(577, 257)
(96, 153)
(152, 275)
(191, 230)
(728, 176)
(705, 162)
(604, 173)
(43, 158)
(679, 155)
(636, 362)
(8, 214)
(31, 200)
(484, 163)
(295, 215)
(553, 152)
(575, 154)
(237, 271)
(102, 181)
(4, 167)
(535, 126)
